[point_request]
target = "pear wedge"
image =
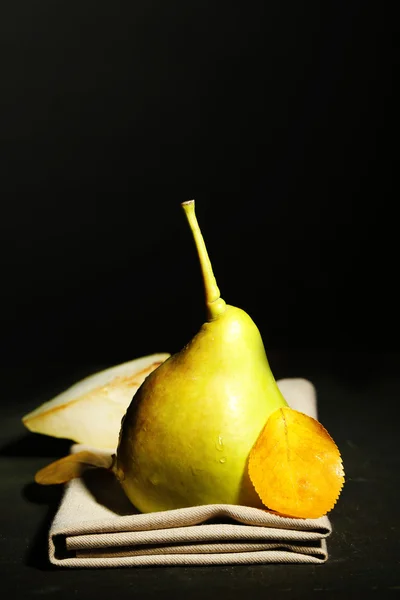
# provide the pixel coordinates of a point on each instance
(90, 411)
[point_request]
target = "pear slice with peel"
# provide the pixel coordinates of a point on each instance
(90, 411)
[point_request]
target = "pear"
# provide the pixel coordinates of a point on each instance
(187, 434)
(90, 411)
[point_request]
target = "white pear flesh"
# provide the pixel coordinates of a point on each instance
(90, 411)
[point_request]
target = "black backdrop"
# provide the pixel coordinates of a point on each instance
(273, 116)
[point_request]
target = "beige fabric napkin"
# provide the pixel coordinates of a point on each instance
(96, 526)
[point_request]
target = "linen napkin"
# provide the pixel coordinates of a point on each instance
(96, 525)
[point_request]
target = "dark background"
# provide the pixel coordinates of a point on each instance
(273, 116)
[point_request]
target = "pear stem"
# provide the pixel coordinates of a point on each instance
(215, 305)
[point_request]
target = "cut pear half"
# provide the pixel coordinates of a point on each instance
(90, 411)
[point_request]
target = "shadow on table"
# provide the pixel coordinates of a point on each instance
(37, 555)
(31, 445)
(100, 483)
(36, 445)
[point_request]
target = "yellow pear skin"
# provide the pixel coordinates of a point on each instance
(188, 432)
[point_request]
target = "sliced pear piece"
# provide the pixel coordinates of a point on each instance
(90, 411)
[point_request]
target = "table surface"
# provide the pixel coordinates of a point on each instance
(356, 404)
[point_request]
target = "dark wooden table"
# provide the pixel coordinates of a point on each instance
(358, 396)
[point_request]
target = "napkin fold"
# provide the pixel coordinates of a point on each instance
(96, 525)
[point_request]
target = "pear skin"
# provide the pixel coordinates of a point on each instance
(187, 434)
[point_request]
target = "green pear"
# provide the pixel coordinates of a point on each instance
(187, 434)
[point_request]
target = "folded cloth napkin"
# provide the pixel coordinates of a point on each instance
(96, 526)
